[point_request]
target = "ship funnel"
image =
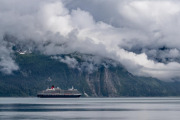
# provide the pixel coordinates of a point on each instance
(52, 87)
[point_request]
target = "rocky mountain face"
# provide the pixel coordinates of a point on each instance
(37, 72)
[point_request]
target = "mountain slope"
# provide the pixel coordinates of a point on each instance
(37, 72)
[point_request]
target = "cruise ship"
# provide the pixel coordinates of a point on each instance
(59, 93)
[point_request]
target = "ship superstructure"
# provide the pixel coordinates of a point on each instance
(59, 93)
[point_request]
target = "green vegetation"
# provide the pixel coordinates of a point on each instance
(36, 70)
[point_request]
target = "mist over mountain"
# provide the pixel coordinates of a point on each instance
(106, 79)
(141, 37)
(130, 32)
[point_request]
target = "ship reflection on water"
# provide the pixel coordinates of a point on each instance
(90, 108)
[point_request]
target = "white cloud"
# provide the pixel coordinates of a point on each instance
(56, 18)
(7, 64)
(71, 62)
(132, 32)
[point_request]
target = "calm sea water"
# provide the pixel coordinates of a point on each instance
(90, 109)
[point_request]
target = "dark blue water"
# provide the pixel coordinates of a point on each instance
(90, 109)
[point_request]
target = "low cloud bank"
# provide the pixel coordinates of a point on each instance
(141, 35)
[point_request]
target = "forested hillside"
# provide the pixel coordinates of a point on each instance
(37, 72)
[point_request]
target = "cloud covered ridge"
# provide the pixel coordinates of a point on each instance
(131, 32)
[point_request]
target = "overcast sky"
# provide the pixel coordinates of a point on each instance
(142, 35)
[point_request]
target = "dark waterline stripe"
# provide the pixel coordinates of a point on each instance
(80, 109)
